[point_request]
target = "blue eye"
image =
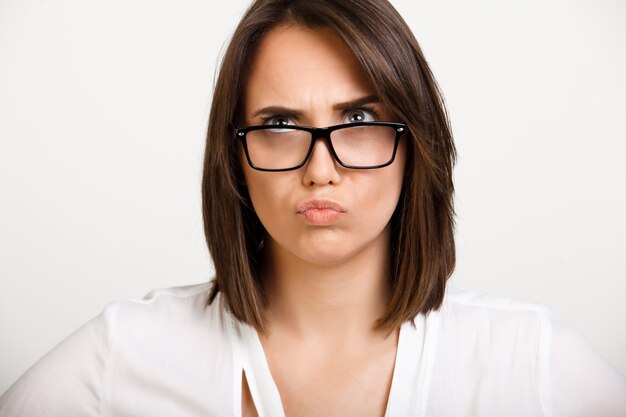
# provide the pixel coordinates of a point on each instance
(278, 121)
(361, 115)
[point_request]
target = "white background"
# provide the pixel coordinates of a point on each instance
(103, 108)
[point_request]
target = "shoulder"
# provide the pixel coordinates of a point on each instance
(487, 330)
(167, 313)
(188, 300)
(470, 300)
(475, 311)
(514, 346)
(484, 334)
(131, 350)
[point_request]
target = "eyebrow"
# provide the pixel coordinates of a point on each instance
(347, 105)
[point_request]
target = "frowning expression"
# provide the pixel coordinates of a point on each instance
(321, 213)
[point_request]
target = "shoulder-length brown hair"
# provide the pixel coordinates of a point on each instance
(422, 226)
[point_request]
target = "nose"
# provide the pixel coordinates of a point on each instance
(321, 168)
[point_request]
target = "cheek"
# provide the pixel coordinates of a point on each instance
(268, 194)
(258, 188)
(377, 197)
(389, 183)
(396, 173)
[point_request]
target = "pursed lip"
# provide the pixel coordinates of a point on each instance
(319, 204)
(320, 212)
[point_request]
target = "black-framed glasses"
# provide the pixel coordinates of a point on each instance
(359, 145)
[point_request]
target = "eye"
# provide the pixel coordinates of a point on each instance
(360, 115)
(277, 120)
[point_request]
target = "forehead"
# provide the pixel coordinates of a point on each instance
(294, 65)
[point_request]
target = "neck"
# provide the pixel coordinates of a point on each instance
(339, 301)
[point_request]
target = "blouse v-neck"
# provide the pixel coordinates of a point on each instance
(410, 384)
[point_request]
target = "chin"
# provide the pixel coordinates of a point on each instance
(326, 247)
(329, 253)
(323, 258)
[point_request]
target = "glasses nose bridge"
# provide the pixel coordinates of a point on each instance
(322, 133)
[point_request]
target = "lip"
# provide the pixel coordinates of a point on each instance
(320, 212)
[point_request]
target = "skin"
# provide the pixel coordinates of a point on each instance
(326, 284)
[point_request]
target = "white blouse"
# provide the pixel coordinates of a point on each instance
(167, 355)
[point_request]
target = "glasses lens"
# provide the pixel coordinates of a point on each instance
(277, 148)
(364, 146)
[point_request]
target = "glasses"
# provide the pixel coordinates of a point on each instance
(359, 145)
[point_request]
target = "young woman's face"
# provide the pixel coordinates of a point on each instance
(321, 213)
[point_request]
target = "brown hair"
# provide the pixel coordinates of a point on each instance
(422, 226)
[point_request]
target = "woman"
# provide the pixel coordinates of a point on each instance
(328, 212)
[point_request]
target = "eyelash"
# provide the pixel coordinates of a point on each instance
(363, 109)
(265, 119)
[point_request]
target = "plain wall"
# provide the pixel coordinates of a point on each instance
(103, 109)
